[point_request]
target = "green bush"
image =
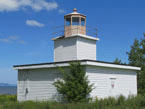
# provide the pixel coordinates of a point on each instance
(121, 100)
(136, 101)
(111, 101)
(74, 85)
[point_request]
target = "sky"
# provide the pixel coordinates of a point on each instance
(27, 27)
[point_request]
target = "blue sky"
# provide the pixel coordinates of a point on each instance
(27, 26)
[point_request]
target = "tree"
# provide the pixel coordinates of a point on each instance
(117, 61)
(136, 57)
(75, 85)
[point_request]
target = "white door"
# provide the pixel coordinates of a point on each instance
(112, 90)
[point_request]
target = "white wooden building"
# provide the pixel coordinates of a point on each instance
(35, 81)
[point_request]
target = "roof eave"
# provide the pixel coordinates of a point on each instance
(80, 35)
(83, 62)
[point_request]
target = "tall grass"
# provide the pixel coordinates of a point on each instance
(137, 102)
(4, 98)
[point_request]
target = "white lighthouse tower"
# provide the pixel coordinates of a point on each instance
(75, 44)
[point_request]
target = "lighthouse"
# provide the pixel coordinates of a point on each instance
(75, 23)
(75, 44)
(35, 81)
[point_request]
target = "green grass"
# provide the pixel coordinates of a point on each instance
(138, 102)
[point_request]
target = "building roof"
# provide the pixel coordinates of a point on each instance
(75, 13)
(82, 62)
(77, 35)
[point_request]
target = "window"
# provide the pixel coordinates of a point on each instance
(67, 21)
(75, 20)
(83, 22)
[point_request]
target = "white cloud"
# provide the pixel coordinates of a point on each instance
(36, 5)
(34, 23)
(4, 40)
(12, 39)
(8, 5)
(61, 11)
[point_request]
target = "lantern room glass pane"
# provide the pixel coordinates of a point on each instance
(75, 20)
(83, 22)
(67, 21)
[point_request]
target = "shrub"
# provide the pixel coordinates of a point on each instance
(121, 100)
(111, 101)
(74, 87)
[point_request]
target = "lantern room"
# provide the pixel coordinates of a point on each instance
(75, 23)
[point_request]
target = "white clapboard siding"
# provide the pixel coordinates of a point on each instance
(39, 83)
(86, 49)
(74, 48)
(125, 81)
(65, 49)
(100, 85)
